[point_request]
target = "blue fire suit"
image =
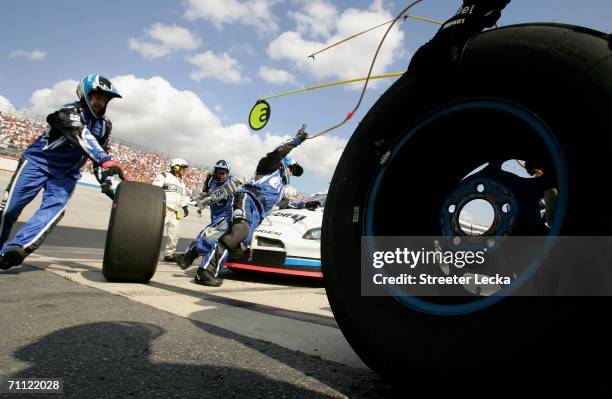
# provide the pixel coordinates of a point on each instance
(222, 208)
(219, 210)
(252, 203)
(52, 163)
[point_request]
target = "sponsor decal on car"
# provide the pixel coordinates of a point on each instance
(276, 233)
(296, 218)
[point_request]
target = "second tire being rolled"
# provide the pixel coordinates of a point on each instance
(135, 233)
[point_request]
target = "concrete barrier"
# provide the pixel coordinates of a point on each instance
(7, 163)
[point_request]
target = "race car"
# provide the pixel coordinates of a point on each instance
(288, 241)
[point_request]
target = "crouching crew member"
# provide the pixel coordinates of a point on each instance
(252, 203)
(220, 181)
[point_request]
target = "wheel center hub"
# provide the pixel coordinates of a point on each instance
(457, 220)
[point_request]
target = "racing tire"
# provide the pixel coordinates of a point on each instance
(135, 232)
(561, 74)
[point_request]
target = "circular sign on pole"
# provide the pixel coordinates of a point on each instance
(259, 115)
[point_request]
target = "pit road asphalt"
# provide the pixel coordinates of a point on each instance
(105, 346)
(258, 336)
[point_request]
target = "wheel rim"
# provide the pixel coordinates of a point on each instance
(373, 225)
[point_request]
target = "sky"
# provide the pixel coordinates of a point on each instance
(190, 71)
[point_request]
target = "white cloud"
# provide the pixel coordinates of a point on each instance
(34, 55)
(255, 13)
(320, 155)
(5, 105)
(316, 18)
(348, 60)
(276, 76)
(45, 101)
(162, 39)
(216, 66)
(154, 113)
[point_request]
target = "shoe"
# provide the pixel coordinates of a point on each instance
(185, 260)
(204, 277)
(12, 257)
(169, 258)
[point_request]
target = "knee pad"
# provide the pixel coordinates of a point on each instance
(238, 212)
(239, 233)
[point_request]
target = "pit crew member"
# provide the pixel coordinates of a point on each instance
(75, 132)
(177, 203)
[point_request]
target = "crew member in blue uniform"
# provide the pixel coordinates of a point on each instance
(219, 210)
(220, 176)
(252, 203)
(75, 132)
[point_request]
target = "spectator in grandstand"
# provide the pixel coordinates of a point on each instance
(177, 203)
(76, 131)
(18, 131)
(139, 164)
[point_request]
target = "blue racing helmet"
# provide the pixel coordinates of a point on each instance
(291, 164)
(98, 83)
(222, 164)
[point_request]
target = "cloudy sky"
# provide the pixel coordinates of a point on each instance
(190, 71)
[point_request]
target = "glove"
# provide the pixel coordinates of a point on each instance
(312, 205)
(111, 168)
(185, 211)
(478, 13)
(301, 134)
(444, 50)
(108, 191)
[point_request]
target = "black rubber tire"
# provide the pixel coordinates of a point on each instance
(563, 74)
(135, 232)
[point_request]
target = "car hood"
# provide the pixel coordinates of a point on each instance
(287, 220)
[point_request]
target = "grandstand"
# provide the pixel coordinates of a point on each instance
(17, 131)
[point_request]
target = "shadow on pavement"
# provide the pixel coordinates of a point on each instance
(114, 359)
(86, 346)
(352, 382)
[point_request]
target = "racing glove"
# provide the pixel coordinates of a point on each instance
(111, 168)
(185, 211)
(444, 50)
(230, 188)
(301, 134)
(312, 205)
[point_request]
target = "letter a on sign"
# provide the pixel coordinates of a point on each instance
(260, 115)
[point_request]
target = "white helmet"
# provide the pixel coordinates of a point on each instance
(179, 162)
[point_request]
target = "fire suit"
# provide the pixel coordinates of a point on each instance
(52, 163)
(219, 210)
(176, 202)
(252, 203)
